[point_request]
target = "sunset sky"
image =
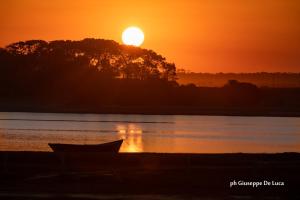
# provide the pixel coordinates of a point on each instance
(198, 35)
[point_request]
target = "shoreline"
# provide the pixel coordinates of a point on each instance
(162, 110)
(159, 174)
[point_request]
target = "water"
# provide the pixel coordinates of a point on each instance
(151, 133)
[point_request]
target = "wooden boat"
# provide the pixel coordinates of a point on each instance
(110, 147)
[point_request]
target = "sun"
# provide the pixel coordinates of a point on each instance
(133, 36)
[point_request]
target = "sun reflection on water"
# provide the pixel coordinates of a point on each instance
(132, 135)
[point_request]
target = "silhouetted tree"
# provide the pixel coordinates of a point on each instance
(91, 73)
(105, 57)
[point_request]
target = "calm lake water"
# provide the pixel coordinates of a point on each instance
(151, 133)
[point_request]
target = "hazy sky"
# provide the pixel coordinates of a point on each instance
(198, 35)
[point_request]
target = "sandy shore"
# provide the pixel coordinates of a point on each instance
(45, 175)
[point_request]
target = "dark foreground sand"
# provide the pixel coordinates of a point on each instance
(155, 176)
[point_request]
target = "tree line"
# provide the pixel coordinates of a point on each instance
(261, 79)
(104, 58)
(90, 74)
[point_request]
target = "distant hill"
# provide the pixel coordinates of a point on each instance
(262, 79)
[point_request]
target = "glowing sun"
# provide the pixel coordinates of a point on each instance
(133, 36)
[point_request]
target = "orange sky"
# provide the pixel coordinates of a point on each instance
(198, 35)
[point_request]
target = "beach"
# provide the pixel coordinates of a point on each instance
(46, 175)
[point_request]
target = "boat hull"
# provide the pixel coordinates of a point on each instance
(110, 147)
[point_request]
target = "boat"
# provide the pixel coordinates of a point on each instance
(110, 147)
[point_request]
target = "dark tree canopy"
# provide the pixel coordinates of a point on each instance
(105, 58)
(90, 74)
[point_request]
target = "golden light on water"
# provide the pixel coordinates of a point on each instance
(132, 136)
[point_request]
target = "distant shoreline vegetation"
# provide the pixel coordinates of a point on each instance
(96, 75)
(260, 79)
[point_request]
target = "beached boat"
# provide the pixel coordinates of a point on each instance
(110, 147)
